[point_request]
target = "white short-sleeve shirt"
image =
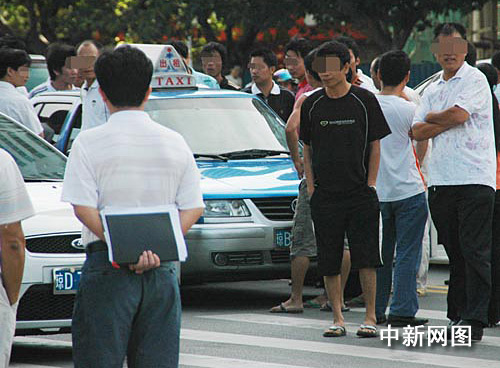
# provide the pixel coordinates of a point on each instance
(464, 154)
(18, 107)
(131, 161)
(46, 87)
(398, 176)
(94, 110)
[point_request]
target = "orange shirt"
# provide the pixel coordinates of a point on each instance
(498, 170)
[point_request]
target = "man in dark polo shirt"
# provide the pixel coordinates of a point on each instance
(341, 126)
(262, 65)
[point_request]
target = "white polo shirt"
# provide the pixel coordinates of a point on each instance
(464, 154)
(398, 176)
(94, 112)
(15, 203)
(367, 82)
(18, 107)
(131, 161)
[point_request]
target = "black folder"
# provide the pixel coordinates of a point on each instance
(128, 235)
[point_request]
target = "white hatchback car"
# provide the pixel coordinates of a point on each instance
(52, 236)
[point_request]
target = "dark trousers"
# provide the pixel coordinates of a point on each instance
(463, 217)
(121, 314)
(494, 310)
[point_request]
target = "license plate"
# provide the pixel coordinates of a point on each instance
(282, 237)
(66, 280)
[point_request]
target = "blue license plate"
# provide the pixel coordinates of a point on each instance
(66, 280)
(282, 237)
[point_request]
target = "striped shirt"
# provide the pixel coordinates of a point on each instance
(131, 161)
(46, 87)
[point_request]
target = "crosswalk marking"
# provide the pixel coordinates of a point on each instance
(424, 313)
(338, 349)
(317, 324)
(206, 361)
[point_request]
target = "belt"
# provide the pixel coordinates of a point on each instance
(96, 246)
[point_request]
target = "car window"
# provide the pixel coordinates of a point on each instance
(49, 108)
(36, 159)
(218, 125)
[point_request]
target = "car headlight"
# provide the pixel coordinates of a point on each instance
(225, 208)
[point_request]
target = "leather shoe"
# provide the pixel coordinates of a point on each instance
(401, 321)
(381, 320)
(476, 329)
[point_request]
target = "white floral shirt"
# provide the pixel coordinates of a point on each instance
(464, 154)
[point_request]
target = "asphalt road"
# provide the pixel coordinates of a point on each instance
(227, 325)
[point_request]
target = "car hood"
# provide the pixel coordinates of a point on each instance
(51, 215)
(248, 178)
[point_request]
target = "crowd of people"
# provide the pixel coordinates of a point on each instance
(369, 184)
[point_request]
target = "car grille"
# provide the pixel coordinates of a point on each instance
(39, 303)
(276, 208)
(280, 255)
(53, 244)
(242, 258)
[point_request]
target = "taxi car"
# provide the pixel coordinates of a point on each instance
(248, 181)
(52, 235)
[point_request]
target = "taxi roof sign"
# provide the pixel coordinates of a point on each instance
(169, 69)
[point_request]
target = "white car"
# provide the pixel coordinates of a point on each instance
(53, 244)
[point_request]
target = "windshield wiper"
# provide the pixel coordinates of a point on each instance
(209, 155)
(253, 153)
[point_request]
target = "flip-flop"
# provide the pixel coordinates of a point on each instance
(367, 331)
(282, 309)
(311, 303)
(335, 331)
(328, 308)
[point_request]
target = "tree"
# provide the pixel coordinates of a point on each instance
(389, 23)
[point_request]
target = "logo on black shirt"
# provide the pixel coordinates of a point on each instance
(324, 123)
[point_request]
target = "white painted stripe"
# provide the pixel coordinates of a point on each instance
(41, 341)
(423, 313)
(216, 362)
(25, 365)
(333, 349)
(316, 324)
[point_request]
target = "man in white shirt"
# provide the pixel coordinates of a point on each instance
(62, 76)
(456, 112)
(14, 72)
(94, 110)
(401, 193)
(129, 311)
(15, 206)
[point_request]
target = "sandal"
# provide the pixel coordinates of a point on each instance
(335, 331)
(327, 307)
(311, 303)
(367, 331)
(282, 309)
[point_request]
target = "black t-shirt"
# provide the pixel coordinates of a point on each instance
(282, 104)
(339, 132)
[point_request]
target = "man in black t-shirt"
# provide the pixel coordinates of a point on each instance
(341, 127)
(262, 65)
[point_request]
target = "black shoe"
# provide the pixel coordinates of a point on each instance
(476, 329)
(381, 320)
(400, 321)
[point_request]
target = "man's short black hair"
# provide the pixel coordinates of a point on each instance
(349, 43)
(376, 64)
(13, 42)
(495, 60)
(334, 48)
(447, 29)
(181, 48)
(124, 75)
(308, 62)
(56, 57)
(267, 55)
(300, 46)
(12, 58)
(471, 56)
(394, 67)
(211, 47)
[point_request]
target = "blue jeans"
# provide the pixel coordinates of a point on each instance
(119, 313)
(403, 230)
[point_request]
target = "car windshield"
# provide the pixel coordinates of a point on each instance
(37, 160)
(214, 126)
